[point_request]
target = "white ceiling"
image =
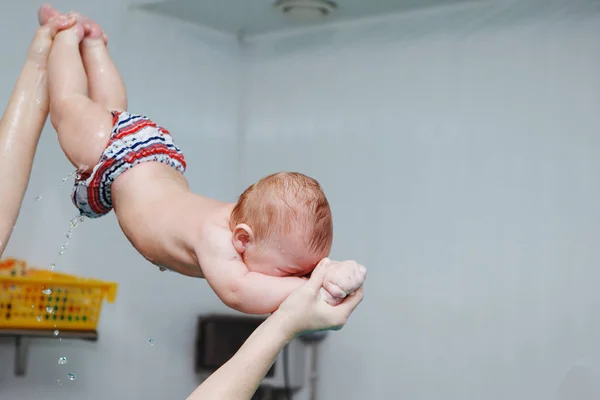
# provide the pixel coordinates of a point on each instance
(255, 17)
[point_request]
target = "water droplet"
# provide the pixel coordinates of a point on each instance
(76, 220)
(73, 223)
(49, 310)
(151, 342)
(33, 306)
(62, 360)
(71, 376)
(52, 267)
(39, 198)
(66, 178)
(39, 318)
(56, 332)
(47, 292)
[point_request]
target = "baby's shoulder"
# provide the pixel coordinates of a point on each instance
(215, 242)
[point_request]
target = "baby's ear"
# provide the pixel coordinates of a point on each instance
(242, 238)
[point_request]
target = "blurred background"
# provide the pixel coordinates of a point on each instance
(457, 142)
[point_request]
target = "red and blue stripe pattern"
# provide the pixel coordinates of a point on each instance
(134, 139)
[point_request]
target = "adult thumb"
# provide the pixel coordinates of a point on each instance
(318, 275)
(59, 23)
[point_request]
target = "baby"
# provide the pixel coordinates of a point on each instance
(253, 254)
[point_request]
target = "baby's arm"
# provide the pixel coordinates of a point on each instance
(245, 291)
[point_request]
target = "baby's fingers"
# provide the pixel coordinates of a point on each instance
(329, 299)
(334, 289)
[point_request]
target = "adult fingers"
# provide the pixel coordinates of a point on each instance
(56, 24)
(83, 20)
(42, 41)
(349, 304)
(88, 25)
(338, 316)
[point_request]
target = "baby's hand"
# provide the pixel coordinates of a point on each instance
(341, 279)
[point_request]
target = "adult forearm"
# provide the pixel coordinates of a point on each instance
(20, 130)
(239, 378)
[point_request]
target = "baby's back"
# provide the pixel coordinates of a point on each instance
(152, 203)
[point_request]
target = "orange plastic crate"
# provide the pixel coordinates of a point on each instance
(41, 299)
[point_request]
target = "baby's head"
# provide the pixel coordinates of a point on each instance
(282, 225)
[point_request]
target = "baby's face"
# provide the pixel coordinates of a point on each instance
(282, 259)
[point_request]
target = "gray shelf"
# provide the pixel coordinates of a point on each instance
(23, 336)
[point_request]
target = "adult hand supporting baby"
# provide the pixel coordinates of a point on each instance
(305, 310)
(22, 124)
(312, 307)
(50, 25)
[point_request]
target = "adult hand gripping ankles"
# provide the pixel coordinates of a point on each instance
(22, 123)
(305, 310)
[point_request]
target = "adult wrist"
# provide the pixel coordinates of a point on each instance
(285, 325)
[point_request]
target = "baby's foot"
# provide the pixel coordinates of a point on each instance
(92, 29)
(76, 30)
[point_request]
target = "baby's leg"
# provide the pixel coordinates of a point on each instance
(105, 84)
(83, 126)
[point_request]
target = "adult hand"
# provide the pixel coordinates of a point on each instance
(46, 13)
(306, 310)
(42, 41)
(341, 279)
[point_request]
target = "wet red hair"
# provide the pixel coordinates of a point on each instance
(284, 203)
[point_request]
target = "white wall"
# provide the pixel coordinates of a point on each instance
(459, 151)
(186, 80)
